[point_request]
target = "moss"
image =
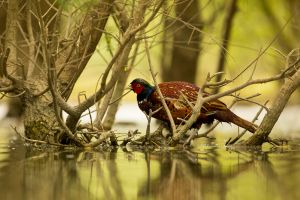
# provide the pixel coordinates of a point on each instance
(40, 130)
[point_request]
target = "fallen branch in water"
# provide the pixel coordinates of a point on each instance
(37, 141)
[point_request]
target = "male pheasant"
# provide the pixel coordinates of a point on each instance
(176, 93)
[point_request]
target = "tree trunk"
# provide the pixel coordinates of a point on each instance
(112, 110)
(186, 39)
(3, 10)
(11, 30)
(40, 122)
(276, 109)
(62, 61)
(22, 50)
(93, 26)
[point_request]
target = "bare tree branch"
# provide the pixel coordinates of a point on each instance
(162, 99)
(11, 29)
(280, 101)
(31, 40)
(90, 35)
(234, 140)
(52, 78)
(188, 124)
(201, 100)
(227, 26)
(120, 58)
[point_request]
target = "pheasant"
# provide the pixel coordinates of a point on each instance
(177, 95)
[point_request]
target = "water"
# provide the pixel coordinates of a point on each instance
(208, 171)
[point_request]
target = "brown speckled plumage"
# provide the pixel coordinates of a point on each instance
(173, 93)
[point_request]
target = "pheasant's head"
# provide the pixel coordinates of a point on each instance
(142, 88)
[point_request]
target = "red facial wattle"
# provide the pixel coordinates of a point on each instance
(137, 88)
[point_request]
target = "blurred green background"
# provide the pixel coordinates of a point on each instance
(255, 25)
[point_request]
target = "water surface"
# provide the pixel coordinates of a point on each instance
(208, 171)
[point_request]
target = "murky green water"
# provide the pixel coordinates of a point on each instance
(206, 172)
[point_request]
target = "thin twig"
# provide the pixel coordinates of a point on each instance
(119, 98)
(124, 50)
(89, 110)
(37, 141)
(250, 101)
(104, 136)
(204, 134)
(149, 117)
(227, 27)
(265, 49)
(14, 96)
(162, 99)
(7, 89)
(186, 99)
(232, 141)
(192, 119)
(50, 64)
(4, 66)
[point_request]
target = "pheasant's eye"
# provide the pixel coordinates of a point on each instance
(138, 85)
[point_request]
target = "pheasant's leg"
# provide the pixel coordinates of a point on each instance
(159, 130)
(192, 133)
(157, 133)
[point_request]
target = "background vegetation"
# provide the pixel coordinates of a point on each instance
(105, 44)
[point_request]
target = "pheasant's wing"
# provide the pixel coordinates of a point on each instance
(187, 91)
(176, 89)
(179, 110)
(183, 92)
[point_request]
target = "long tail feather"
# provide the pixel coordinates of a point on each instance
(230, 117)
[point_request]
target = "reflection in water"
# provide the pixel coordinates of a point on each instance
(206, 172)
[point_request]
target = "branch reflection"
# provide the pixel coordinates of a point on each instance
(206, 172)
